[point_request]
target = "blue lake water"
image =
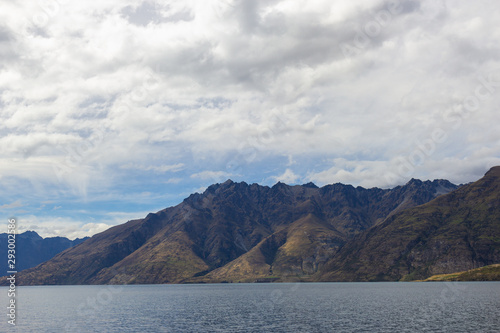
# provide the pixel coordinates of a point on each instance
(278, 307)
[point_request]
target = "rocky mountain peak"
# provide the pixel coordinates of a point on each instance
(227, 183)
(279, 184)
(239, 232)
(29, 234)
(414, 182)
(223, 186)
(493, 172)
(310, 185)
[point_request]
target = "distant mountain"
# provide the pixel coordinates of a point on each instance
(455, 232)
(31, 249)
(235, 232)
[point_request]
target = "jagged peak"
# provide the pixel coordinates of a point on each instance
(194, 197)
(31, 234)
(229, 183)
(341, 186)
(214, 187)
(444, 183)
(225, 185)
(279, 184)
(441, 186)
(414, 181)
(310, 185)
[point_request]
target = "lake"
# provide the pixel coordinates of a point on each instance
(275, 307)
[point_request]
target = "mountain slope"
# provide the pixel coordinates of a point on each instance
(485, 273)
(230, 231)
(31, 249)
(454, 232)
(296, 251)
(80, 263)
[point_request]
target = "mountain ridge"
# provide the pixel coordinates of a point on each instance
(455, 232)
(286, 230)
(32, 249)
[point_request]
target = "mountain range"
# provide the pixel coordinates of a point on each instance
(32, 249)
(452, 233)
(236, 232)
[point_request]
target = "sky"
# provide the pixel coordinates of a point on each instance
(113, 109)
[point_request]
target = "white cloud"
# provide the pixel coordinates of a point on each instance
(92, 92)
(214, 176)
(156, 168)
(57, 226)
(52, 226)
(174, 181)
(15, 204)
(287, 177)
(200, 190)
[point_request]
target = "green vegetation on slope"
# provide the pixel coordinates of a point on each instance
(486, 273)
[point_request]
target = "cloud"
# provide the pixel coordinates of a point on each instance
(53, 225)
(211, 175)
(288, 177)
(56, 226)
(174, 180)
(158, 169)
(15, 204)
(93, 93)
(152, 12)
